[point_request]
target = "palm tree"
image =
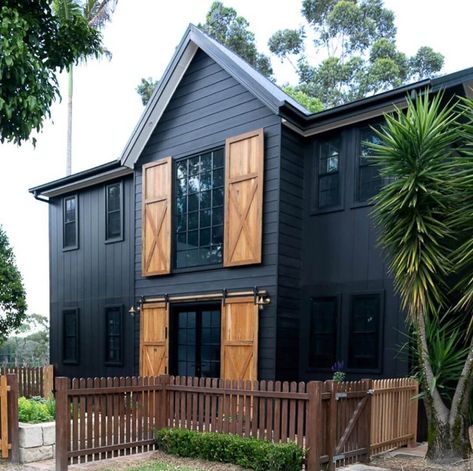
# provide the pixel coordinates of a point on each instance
(425, 214)
(97, 13)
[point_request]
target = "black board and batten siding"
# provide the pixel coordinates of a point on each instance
(341, 259)
(208, 107)
(90, 278)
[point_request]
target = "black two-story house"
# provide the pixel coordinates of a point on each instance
(232, 238)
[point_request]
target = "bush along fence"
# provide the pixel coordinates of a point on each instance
(335, 423)
(33, 381)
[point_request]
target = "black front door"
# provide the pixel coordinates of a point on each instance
(195, 340)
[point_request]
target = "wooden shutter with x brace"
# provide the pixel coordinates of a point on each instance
(239, 349)
(154, 341)
(244, 162)
(156, 252)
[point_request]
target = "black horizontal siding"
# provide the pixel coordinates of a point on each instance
(89, 278)
(208, 107)
(290, 254)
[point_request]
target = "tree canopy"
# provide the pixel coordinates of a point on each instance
(12, 292)
(357, 40)
(35, 46)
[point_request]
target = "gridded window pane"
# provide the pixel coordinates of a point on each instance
(323, 333)
(113, 334)
(70, 222)
(364, 332)
(70, 336)
(199, 209)
(114, 214)
(328, 194)
(369, 181)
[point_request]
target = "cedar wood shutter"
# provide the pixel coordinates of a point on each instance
(154, 327)
(244, 161)
(239, 344)
(157, 194)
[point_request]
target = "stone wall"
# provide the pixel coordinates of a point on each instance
(37, 441)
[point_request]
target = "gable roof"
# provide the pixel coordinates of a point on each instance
(265, 90)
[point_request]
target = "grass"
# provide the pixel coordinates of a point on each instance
(159, 466)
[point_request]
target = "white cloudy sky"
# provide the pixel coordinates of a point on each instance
(142, 38)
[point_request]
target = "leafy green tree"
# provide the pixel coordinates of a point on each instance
(226, 26)
(357, 39)
(426, 221)
(96, 13)
(12, 292)
(311, 103)
(35, 45)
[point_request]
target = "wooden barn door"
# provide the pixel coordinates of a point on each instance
(154, 343)
(239, 343)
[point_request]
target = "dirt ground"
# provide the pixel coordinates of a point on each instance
(415, 463)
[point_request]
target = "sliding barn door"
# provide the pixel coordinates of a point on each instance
(244, 161)
(239, 344)
(156, 248)
(154, 339)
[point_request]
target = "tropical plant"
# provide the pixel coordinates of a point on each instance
(96, 13)
(347, 50)
(424, 220)
(35, 45)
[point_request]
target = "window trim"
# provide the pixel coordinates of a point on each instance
(380, 356)
(119, 362)
(315, 174)
(76, 360)
(338, 303)
(175, 161)
(357, 202)
(76, 221)
(121, 237)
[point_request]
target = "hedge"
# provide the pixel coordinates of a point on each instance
(250, 453)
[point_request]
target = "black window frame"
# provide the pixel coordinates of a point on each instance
(377, 335)
(317, 175)
(108, 309)
(361, 164)
(199, 267)
(75, 246)
(119, 238)
(336, 335)
(75, 360)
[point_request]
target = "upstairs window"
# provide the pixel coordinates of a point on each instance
(328, 175)
(368, 179)
(199, 199)
(365, 330)
(114, 335)
(70, 226)
(113, 212)
(323, 333)
(70, 351)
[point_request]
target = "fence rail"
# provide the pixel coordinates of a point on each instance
(336, 423)
(32, 381)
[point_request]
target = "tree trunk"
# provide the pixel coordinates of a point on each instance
(69, 121)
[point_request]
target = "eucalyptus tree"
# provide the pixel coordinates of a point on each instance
(425, 215)
(96, 13)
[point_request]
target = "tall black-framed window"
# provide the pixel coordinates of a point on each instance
(199, 198)
(195, 346)
(70, 337)
(114, 335)
(114, 212)
(365, 332)
(368, 179)
(328, 173)
(323, 332)
(70, 223)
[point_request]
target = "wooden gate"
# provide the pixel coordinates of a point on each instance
(349, 419)
(9, 442)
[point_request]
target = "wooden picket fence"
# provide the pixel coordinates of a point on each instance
(336, 423)
(32, 381)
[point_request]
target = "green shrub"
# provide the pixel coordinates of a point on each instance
(247, 452)
(36, 409)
